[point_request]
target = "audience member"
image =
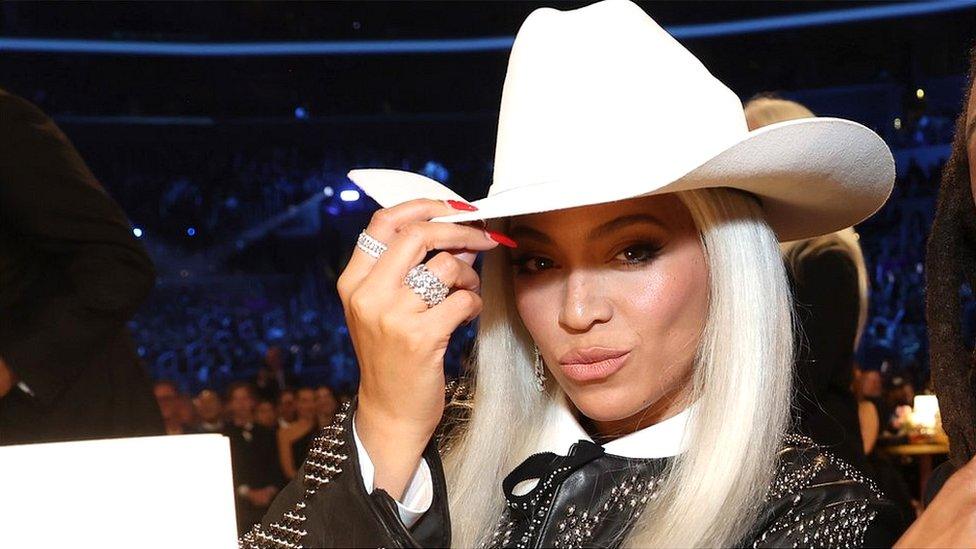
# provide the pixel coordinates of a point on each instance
(210, 411)
(257, 474)
(295, 440)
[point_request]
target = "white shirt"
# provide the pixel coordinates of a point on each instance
(663, 439)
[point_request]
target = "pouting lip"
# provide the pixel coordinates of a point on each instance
(590, 355)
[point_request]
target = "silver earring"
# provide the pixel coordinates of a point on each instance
(540, 371)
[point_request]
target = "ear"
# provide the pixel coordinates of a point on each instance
(392, 187)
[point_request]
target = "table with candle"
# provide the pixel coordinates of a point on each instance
(925, 437)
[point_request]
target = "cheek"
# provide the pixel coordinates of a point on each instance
(538, 305)
(667, 307)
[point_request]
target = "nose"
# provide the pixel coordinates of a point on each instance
(584, 303)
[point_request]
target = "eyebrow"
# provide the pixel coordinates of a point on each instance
(622, 222)
(522, 231)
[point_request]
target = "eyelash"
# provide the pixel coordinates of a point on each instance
(650, 248)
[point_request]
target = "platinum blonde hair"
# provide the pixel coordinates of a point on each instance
(711, 493)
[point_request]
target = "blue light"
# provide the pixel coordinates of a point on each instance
(301, 113)
(191, 231)
(137, 232)
(328, 191)
(349, 195)
(498, 43)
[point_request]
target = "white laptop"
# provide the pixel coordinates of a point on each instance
(146, 492)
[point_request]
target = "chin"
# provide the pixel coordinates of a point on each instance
(604, 403)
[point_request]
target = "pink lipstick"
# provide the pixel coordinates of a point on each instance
(592, 363)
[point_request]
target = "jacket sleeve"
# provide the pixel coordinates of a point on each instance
(327, 504)
(94, 272)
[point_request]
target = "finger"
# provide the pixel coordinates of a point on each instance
(384, 225)
(459, 307)
(453, 272)
(466, 257)
(410, 247)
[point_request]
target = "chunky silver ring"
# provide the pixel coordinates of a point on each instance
(426, 284)
(373, 248)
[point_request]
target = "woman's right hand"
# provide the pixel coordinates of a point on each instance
(399, 342)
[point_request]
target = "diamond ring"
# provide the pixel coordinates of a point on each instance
(426, 284)
(372, 247)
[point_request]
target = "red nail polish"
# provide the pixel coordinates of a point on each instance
(464, 206)
(501, 239)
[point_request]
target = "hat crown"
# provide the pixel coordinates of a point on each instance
(604, 90)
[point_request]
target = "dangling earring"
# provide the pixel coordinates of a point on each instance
(540, 371)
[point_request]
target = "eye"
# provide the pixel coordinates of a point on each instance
(530, 264)
(637, 254)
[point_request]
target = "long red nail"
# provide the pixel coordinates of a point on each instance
(501, 239)
(464, 206)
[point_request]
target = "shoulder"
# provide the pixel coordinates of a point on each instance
(818, 499)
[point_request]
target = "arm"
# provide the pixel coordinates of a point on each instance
(284, 454)
(96, 272)
(328, 505)
(868, 414)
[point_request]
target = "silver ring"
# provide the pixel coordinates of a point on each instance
(426, 284)
(372, 247)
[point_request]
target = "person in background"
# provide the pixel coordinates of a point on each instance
(71, 275)
(287, 409)
(274, 376)
(830, 289)
(168, 398)
(295, 440)
(326, 403)
(187, 412)
(257, 474)
(210, 411)
(265, 414)
(950, 264)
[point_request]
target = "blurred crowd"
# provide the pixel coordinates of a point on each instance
(270, 422)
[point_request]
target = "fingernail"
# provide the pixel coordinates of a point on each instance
(463, 206)
(501, 239)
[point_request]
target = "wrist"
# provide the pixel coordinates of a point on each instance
(379, 422)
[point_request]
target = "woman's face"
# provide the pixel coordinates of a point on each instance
(615, 295)
(305, 400)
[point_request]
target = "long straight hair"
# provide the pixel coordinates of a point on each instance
(711, 493)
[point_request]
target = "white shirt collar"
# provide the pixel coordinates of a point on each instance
(663, 439)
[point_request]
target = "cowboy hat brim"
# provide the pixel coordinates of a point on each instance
(812, 176)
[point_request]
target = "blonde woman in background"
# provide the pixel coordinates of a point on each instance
(829, 279)
(830, 291)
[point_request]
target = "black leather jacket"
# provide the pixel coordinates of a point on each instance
(585, 499)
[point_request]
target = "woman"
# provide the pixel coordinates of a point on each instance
(295, 439)
(631, 376)
(829, 282)
(326, 404)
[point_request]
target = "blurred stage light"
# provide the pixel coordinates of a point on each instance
(920, 93)
(328, 191)
(190, 231)
(138, 232)
(349, 195)
(898, 123)
(301, 113)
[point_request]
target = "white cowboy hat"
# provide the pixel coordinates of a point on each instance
(601, 104)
